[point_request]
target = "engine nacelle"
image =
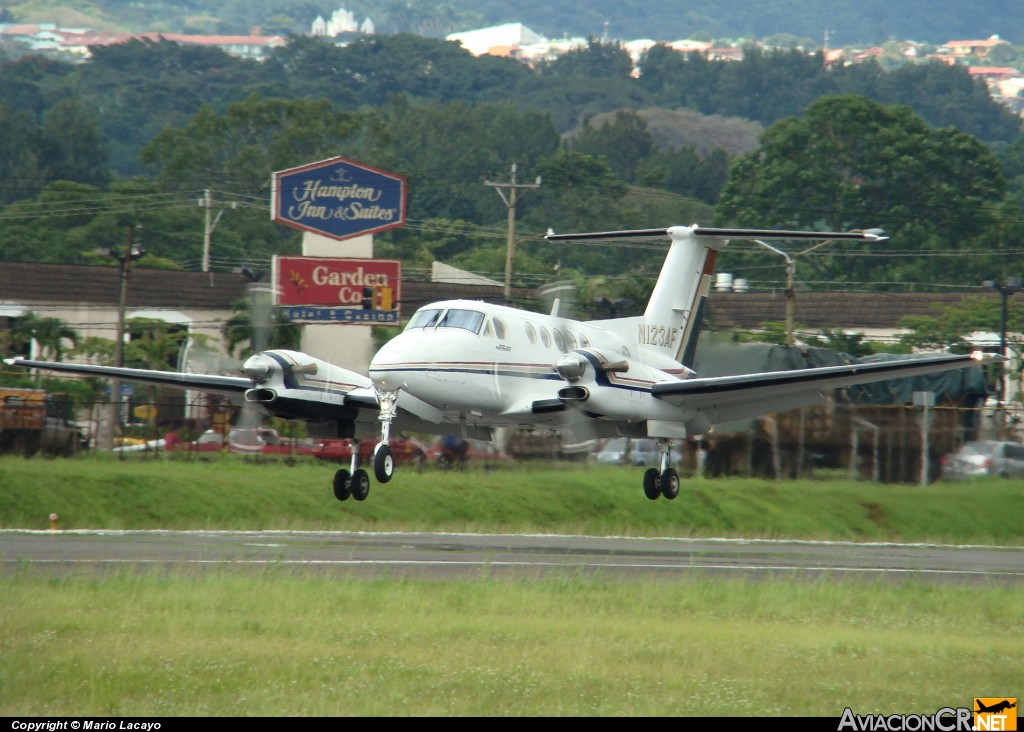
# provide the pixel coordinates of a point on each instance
(294, 385)
(573, 395)
(613, 387)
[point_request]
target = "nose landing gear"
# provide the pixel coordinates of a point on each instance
(355, 482)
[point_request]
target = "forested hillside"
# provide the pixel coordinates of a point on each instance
(139, 133)
(868, 22)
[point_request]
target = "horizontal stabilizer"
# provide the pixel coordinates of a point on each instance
(674, 232)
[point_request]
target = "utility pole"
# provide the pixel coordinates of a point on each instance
(211, 223)
(510, 204)
(132, 251)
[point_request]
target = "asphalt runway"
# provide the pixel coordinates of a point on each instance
(452, 557)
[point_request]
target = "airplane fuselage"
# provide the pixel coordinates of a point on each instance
(478, 361)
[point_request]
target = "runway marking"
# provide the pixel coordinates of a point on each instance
(677, 539)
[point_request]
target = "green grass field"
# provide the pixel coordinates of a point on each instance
(229, 492)
(278, 643)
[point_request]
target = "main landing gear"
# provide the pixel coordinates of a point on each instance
(663, 482)
(355, 482)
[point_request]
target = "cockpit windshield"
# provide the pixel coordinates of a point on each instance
(471, 320)
(426, 318)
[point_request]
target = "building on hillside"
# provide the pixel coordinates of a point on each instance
(977, 49)
(341, 21)
(250, 47)
(508, 36)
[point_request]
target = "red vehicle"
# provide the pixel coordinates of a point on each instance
(405, 450)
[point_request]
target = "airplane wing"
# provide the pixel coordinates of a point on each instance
(728, 398)
(223, 385)
(289, 385)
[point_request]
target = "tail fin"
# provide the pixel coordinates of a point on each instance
(676, 308)
(672, 321)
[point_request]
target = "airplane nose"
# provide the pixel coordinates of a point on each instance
(384, 366)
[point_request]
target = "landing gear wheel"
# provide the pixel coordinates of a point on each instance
(652, 483)
(383, 463)
(341, 487)
(360, 485)
(670, 483)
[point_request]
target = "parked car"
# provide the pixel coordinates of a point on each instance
(258, 441)
(405, 450)
(985, 457)
(640, 452)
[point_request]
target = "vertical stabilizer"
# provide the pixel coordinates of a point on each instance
(673, 317)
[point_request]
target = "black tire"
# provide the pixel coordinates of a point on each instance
(383, 463)
(670, 483)
(360, 485)
(341, 485)
(652, 483)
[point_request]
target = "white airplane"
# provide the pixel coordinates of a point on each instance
(464, 368)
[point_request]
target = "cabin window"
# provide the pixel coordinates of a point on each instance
(584, 341)
(488, 331)
(625, 352)
(559, 339)
(545, 337)
(426, 318)
(570, 340)
(470, 320)
(499, 328)
(531, 334)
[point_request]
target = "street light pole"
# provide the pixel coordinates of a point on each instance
(876, 234)
(791, 282)
(1005, 290)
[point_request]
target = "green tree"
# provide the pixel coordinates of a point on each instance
(837, 340)
(951, 327)
(596, 60)
(624, 142)
(239, 330)
(241, 148)
(71, 147)
(50, 335)
(850, 163)
(19, 155)
(154, 344)
(684, 172)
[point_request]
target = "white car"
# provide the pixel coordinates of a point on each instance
(985, 457)
(640, 452)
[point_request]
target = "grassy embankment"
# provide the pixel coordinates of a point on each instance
(228, 492)
(277, 643)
